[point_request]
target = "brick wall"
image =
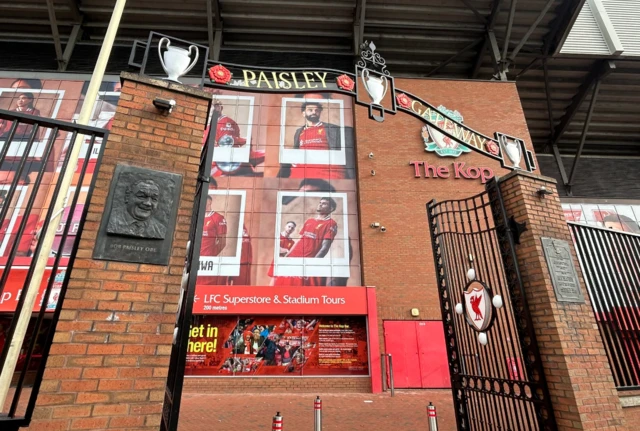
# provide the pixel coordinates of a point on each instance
(108, 364)
(580, 382)
(262, 385)
(399, 263)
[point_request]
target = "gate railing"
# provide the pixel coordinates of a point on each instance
(34, 156)
(499, 385)
(175, 376)
(610, 262)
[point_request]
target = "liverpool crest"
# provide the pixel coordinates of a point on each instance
(438, 142)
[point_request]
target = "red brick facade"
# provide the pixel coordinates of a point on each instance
(399, 262)
(108, 364)
(575, 363)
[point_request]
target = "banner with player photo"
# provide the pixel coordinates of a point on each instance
(282, 207)
(277, 346)
(54, 99)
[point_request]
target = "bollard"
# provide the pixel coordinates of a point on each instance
(393, 392)
(433, 418)
(277, 422)
(317, 411)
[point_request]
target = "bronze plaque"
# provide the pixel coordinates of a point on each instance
(563, 272)
(140, 216)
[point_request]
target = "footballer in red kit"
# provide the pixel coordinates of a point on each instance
(285, 243)
(317, 235)
(214, 239)
(316, 135)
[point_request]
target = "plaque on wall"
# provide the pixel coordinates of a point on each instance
(563, 272)
(140, 216)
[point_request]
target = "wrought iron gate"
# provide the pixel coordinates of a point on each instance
(610, 262)
(500, 385)
(33, 170)
(175, 377)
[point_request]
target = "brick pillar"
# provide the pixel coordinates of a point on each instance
(109, 360)
(582, 390)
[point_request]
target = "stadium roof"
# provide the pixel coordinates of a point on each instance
(463, 39)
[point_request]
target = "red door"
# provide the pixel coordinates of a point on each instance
(434, 367)
(400, 341)
(418, 352)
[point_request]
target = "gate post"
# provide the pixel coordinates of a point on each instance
(575, 364)
(108, 363)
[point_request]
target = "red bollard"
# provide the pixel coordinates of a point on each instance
(433, 417)
(317, 412)
(277, 422)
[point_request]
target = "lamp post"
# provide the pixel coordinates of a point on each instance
(31, 292)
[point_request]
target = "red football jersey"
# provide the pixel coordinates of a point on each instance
(215, 227)
(286, 242)
(315, 138)
(313, 233)
(226, 126)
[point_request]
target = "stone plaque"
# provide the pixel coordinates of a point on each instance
(140, 216)
(563, 272)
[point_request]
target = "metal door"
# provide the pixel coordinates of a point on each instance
(400, 342)
(491, 390)
(418, 352)
(432, 352)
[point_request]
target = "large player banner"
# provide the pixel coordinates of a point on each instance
(282, 208)
(55, 99)
(277, 346)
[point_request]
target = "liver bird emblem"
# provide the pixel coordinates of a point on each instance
(475, 305)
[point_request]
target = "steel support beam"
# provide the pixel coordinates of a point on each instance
(496, 58)
(76, 34)
(54, 31)
(530, 31)
(358, 25)
(507, 36)
(598, 73)
(529, 66)
(74, 7)
(556, 151)
(475, 11)
(583, 138)
(214, 29)
(490, 24)
(453, 57)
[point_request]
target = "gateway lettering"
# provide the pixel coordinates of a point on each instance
(460, 132)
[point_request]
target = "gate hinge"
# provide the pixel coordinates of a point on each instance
(203, 178)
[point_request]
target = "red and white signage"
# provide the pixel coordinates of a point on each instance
(284, 300)
(13, 289)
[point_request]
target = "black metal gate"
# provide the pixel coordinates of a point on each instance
(31, 182)
(175, 378)
(500, 385)
(610, 262)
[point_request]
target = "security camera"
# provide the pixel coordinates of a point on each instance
(375, 225)
(371, 155)
(383, 229)
(373, 173)
(164, 104)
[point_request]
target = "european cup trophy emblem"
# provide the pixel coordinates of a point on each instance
(377, 81)
(175, 60)
(512, 149)
(376, 86)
